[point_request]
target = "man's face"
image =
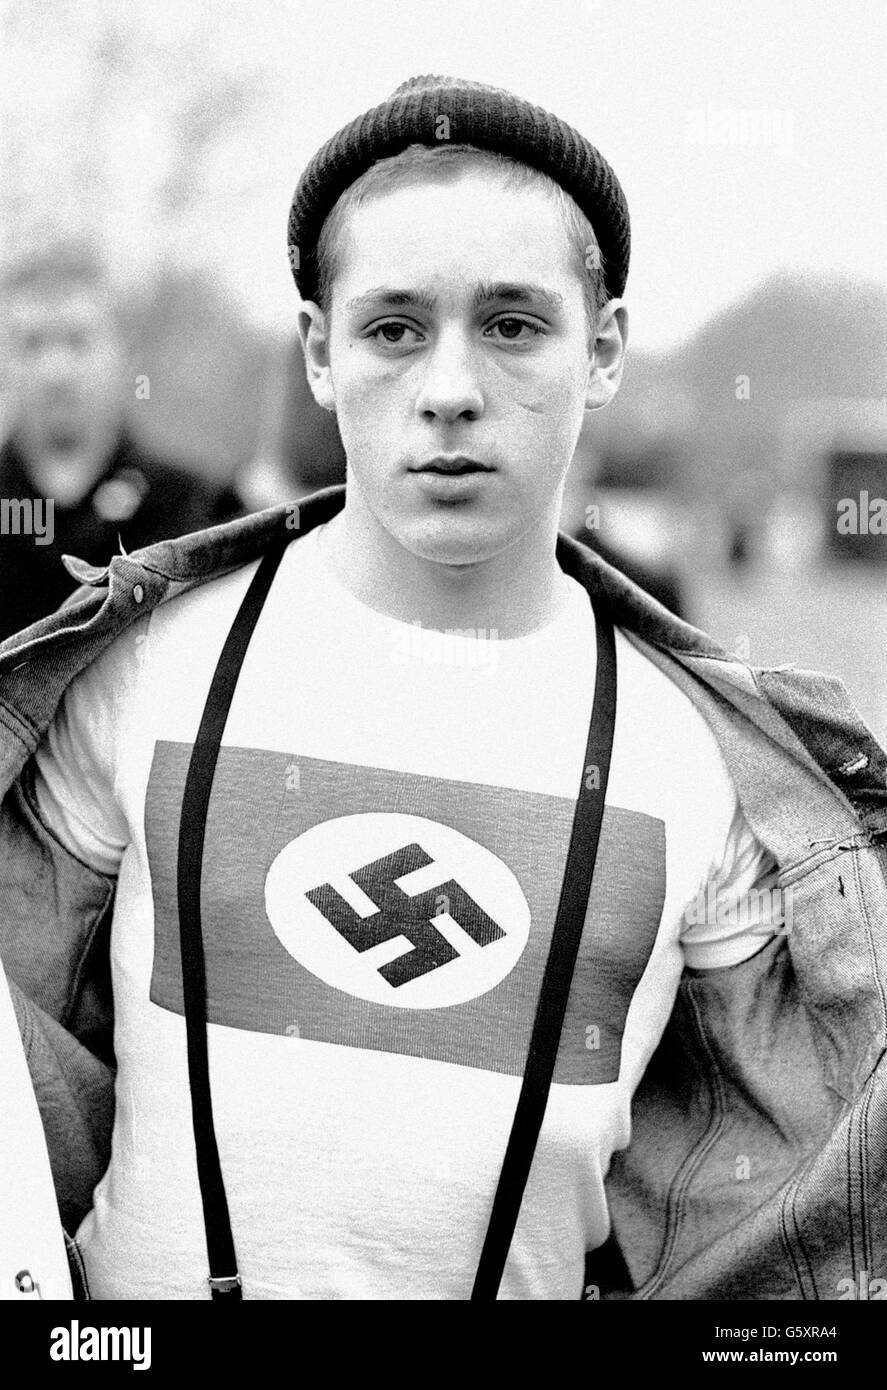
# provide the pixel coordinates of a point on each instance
(457, 331)
(65, 362)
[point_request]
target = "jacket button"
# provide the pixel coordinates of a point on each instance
(138, 593)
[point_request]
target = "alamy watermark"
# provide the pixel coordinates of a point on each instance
(86, 1343)
(749, 127)
(28, 516)
(862, 515)
(416, 645)
(764, 911)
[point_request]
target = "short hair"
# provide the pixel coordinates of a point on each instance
(448, 161)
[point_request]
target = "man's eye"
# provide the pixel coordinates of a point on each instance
(511, 329)
(391, 333)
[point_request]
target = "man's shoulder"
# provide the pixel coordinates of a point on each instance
(813, 706)
(630, 606)
(204, 554)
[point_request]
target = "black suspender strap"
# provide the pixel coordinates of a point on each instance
(558, 975)
(224, 1279)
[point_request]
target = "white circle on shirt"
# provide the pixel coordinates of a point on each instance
(441, 922)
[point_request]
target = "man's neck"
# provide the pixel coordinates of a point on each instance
(513, 593)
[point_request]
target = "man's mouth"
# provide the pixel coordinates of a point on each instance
(454, 466)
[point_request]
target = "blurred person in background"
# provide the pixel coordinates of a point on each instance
(69, 458)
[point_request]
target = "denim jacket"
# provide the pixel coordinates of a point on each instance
(756, 1168)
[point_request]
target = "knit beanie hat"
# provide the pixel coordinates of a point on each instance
(433, 110)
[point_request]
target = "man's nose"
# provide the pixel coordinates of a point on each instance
(451, 387)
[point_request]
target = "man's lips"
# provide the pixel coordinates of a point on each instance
(455, 465)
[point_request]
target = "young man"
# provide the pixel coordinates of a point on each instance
(332, 935)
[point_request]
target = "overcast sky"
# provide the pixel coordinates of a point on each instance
(749, 137)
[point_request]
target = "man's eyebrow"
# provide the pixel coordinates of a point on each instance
(397, 299)
(517, 293)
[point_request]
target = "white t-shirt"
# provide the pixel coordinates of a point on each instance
(384, 854)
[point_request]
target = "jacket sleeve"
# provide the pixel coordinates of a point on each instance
(55, 915)
(75, 1097)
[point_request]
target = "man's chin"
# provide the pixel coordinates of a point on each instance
(455, 541)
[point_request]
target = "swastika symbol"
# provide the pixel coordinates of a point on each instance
(400, 914)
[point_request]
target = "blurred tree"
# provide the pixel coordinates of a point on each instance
(120, 117)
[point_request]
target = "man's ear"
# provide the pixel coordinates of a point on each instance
(314, 337)
(610, 342)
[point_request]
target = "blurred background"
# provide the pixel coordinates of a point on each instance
(749, 140)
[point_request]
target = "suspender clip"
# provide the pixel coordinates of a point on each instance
(225, 1283)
